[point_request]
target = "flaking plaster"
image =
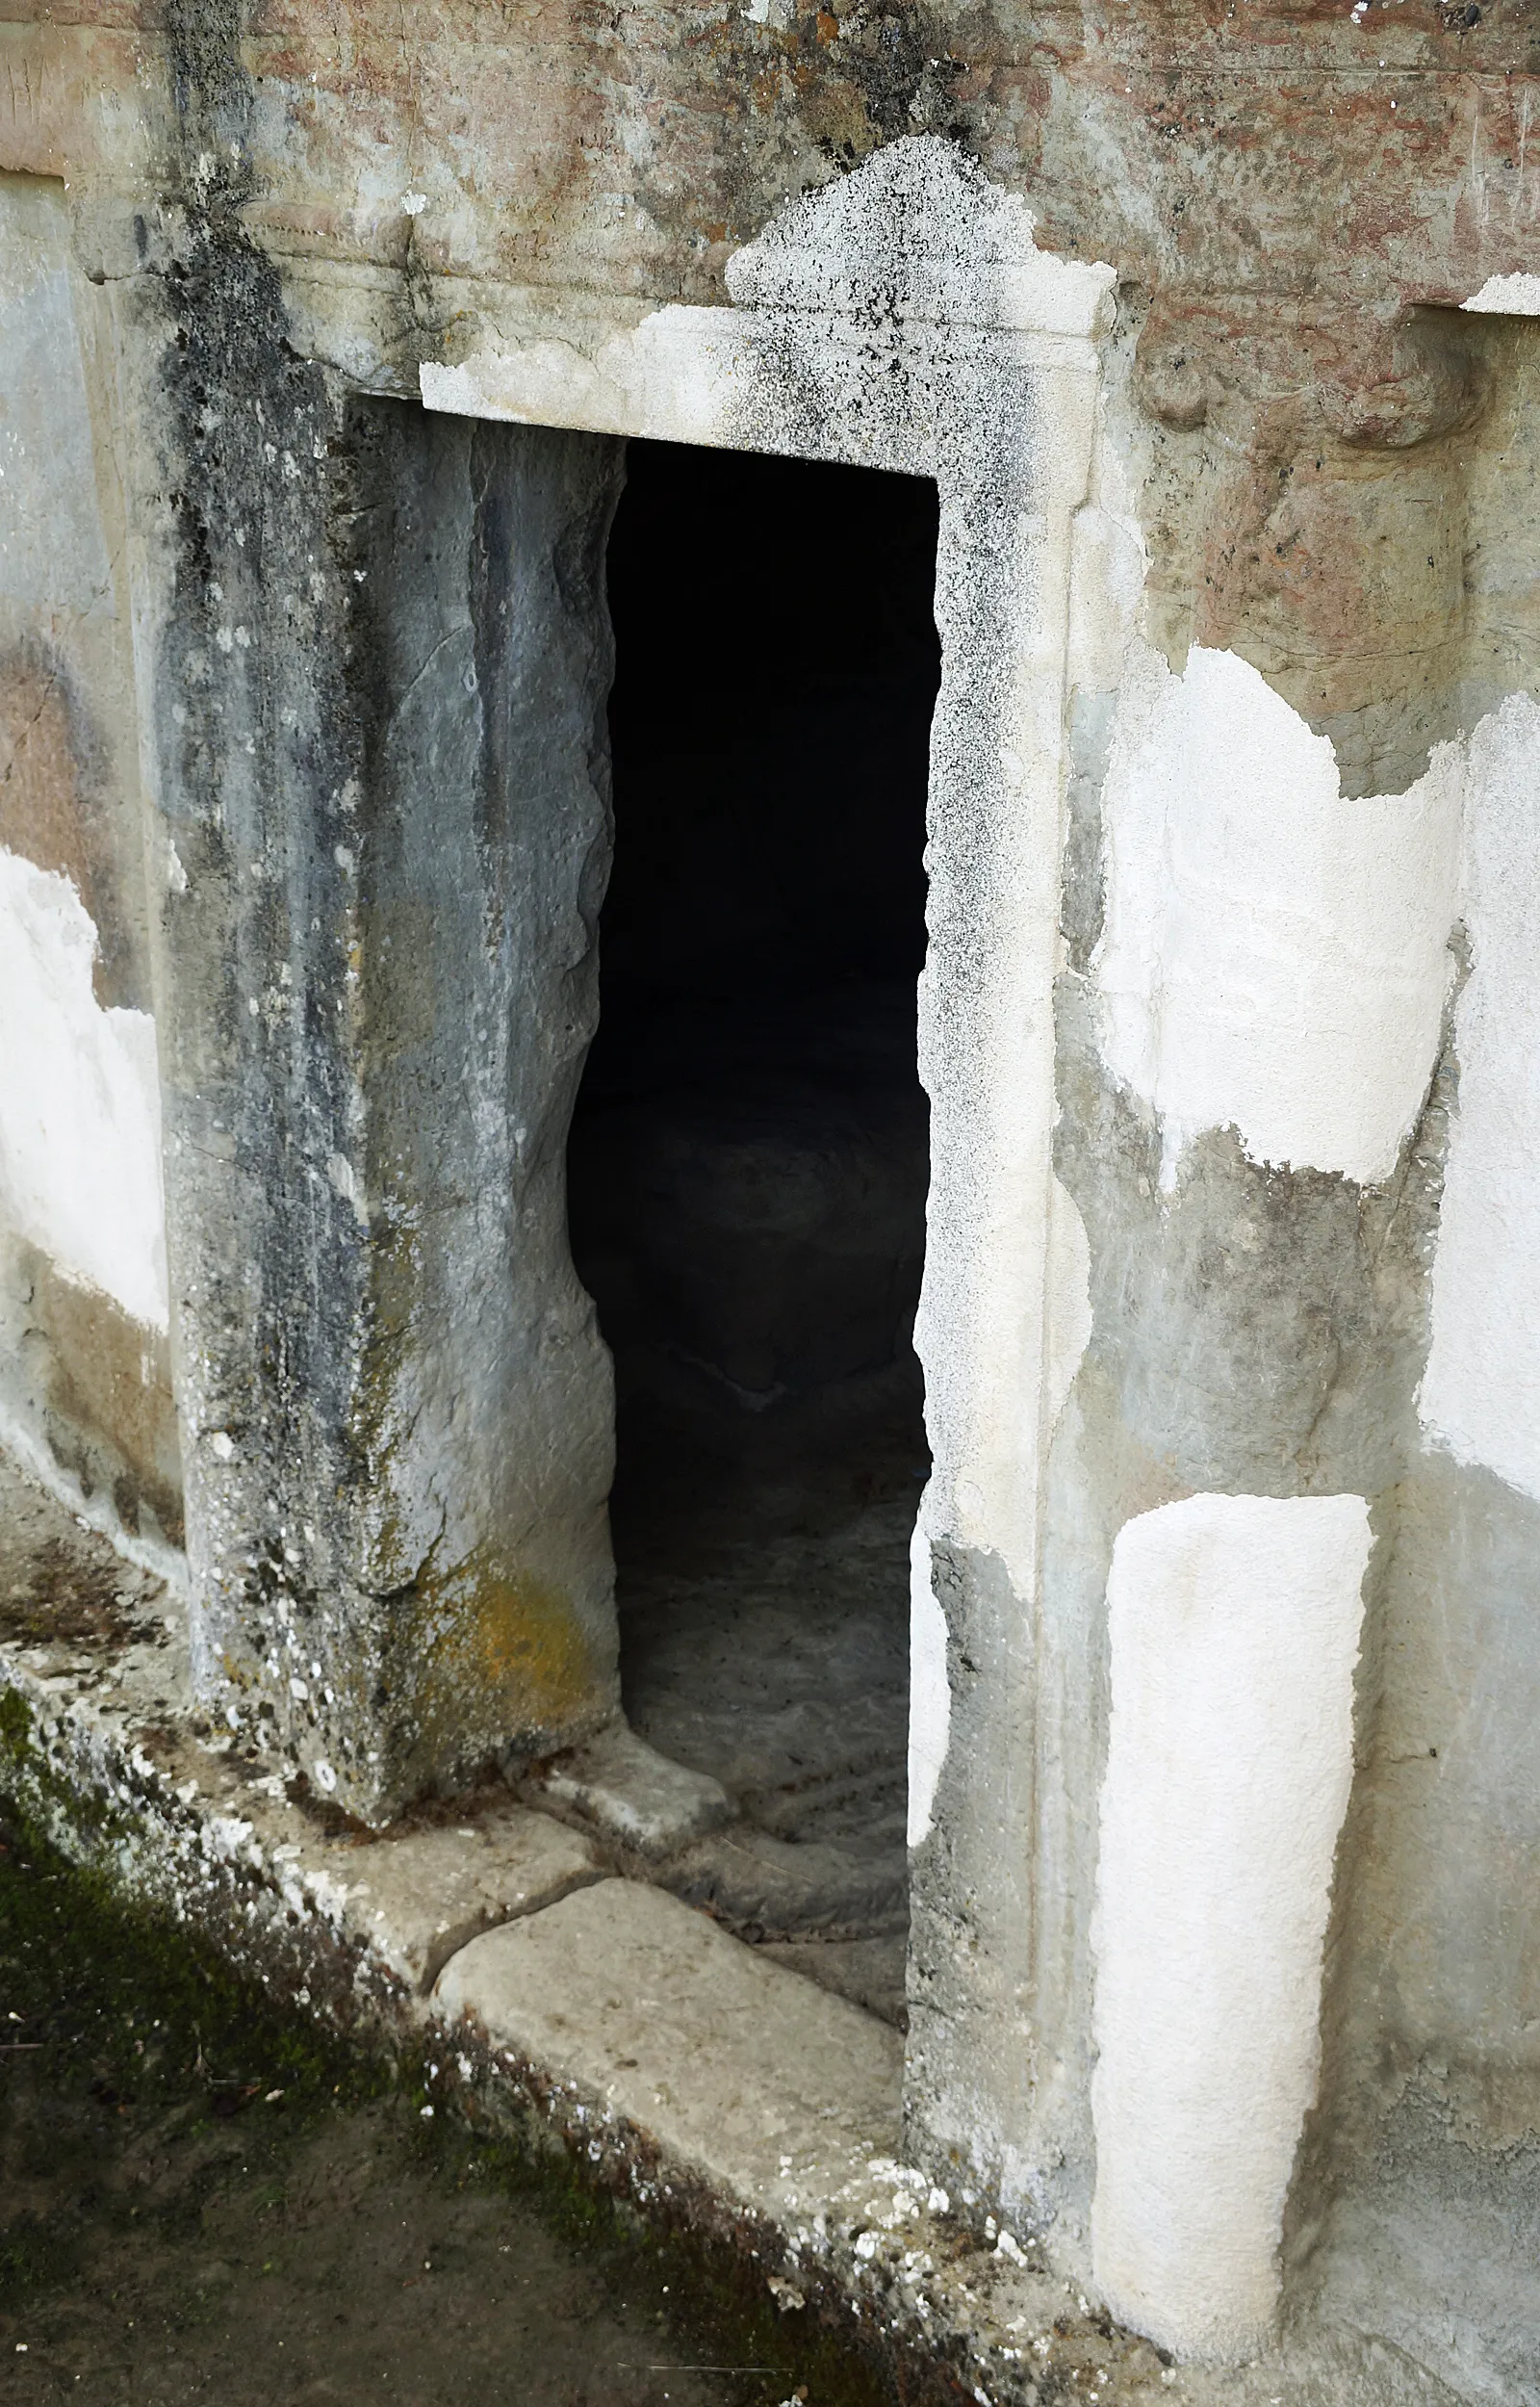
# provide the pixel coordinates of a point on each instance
(80, 1106)
(1507, 297)
(1274, 958)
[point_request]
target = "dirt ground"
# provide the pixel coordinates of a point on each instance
(197, 2201)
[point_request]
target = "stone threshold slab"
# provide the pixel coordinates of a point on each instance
(100, 1739)
(716, 2089)
(768, 2089)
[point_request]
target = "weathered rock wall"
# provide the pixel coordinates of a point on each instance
(1205, 150)
(379, 678)
(1228, 1026)
(370, 663)
(85, 1384)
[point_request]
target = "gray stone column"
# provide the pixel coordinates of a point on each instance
(379, 658)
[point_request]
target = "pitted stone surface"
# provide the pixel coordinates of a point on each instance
(626, 1788)
(789, 2097)
(736, 2066)
(422, 1896)
(97, 1648)
(773, 1887)
(870, 1971)
(1282, 457)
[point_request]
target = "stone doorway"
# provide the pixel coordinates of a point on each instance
(749, 1164)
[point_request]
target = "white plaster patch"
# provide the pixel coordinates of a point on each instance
(673, 376)
(916, 237)
(1481, 1394)
(80, 1107)
(1507, 297)
(1234, 1627)
(929, 1691)
(1274, 958)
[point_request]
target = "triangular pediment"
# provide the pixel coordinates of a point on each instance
(918, 233)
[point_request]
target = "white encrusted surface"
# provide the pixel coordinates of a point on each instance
(80, 1101)
(1274, 956)
(1480, 1393)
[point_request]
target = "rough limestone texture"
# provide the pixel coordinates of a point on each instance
(1223, 1026)
(739, 2067)
(103, 1748)
(382, 859)
(85, 1370)
(832, 350)
(635, 1795)
(423, 1894)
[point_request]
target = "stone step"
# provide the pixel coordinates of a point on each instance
(421, 1896)
(625, 1789)
(742, 2073)
(768, 1888)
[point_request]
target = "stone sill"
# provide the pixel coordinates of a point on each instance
(712, 2089)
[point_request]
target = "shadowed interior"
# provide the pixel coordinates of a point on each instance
(748, 1166)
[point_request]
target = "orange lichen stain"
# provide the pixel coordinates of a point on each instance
(240, 1673)
(489, 1653)
(766, 90)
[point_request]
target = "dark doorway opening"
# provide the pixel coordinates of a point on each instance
(749, 1164)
